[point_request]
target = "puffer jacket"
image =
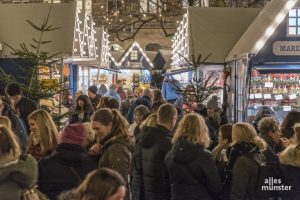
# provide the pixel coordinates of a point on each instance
(290, 165)
(56, 171)
(17, 176)
(193, 173)
(155, 142)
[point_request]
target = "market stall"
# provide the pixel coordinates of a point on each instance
(207, 31)
(265, 62)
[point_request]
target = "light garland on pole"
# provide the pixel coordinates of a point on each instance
(180, 44)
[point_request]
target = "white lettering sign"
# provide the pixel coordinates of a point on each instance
(286, 48)
(258, 96)
(293, 96)
(268, 84)
(278, 97)
(267, 96)
(287, 108)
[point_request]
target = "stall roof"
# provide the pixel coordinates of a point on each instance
(257, 29)
(15, 30)
(216, 30)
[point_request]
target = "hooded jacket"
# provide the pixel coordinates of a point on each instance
(116, 155)
(113, 94)
(55, 174)
(155, 143)
(290, 165)
(17, 176)
(242, 164)
(193, 173)
(144, 100)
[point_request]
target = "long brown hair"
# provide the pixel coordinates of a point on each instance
(8, 142)
(48, 135)
(120, 126)
(100, 184)
(5, 121)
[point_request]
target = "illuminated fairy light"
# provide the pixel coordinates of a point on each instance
(271, 29)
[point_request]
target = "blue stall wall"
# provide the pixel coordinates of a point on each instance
(280, 34)
(15, 67)
(73, 78)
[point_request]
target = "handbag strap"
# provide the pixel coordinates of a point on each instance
(79, 179)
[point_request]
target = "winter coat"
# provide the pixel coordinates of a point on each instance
(116, 155)
(144, 100)
(36, 152)
(121, 92)
(125, 104)
(55, 173)
(113, 94)
(75, 117)
(95, 101)
(291, 172)
(242, 164)
(17, 176)
(219, 154)
(18, 127)
(193, 173)
(24, 108)
(155, 142)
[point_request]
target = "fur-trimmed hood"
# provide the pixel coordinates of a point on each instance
(291, 156)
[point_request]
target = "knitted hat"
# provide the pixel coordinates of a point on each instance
(212, 103)
(73, 134)
(93, 89)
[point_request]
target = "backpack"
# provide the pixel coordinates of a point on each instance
(269, 175)
(33, 194)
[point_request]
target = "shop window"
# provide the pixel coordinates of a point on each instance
(134, 55)
(294, 22)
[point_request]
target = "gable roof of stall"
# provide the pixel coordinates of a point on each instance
(15, 30)
(270, 17)
(216, 30)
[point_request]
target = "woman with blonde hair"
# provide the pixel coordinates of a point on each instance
(43, 137)
(16, 172)
(244, 154)
(193, 173)
(117, 144)
(111, 183)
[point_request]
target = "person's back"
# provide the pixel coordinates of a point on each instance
(68, 165)
(156, 142)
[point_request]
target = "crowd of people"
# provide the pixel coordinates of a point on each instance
(135, 145)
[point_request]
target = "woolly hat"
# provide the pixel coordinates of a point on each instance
(93, 89)
(212, 103)
(73, 134)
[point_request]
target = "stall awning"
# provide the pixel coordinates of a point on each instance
(278, 68)
(179, 71)
(216, 30)
(258, 28)
(15, 30)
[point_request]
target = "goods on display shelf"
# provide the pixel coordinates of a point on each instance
(279, 91)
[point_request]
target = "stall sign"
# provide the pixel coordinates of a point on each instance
(267, 96)
(293, 96)
(286, 48)
(278, 97)
(287, 108)
(251, 96)
(258, 96)
(268, 84)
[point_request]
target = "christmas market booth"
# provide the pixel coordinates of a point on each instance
(71, 41)
(208, 32)
(134, 66)
(265, 63)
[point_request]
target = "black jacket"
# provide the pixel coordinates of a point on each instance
(155, 143)
(74, 117)
(95, 101)
(193, 173)
(144, 100)
(24, 108)
(55, 174)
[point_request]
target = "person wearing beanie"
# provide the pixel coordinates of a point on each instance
(214, 114)
(94, 96)
(67, 166)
